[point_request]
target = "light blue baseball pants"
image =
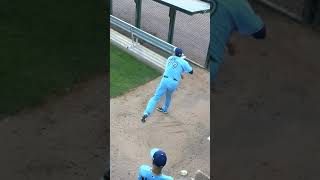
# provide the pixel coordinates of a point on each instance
(166, 87)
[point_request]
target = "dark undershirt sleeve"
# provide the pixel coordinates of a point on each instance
(261, 34)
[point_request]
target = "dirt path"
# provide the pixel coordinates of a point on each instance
(182, 133)
(64, 139)
(267, 111)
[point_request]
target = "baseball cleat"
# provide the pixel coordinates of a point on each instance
(144, 117)
(161, 110)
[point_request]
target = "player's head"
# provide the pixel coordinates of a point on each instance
(159, 157)
(178, 51)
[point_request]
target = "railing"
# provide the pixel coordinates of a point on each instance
(140, 34)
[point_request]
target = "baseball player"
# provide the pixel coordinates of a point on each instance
(175, 67)
(230, 16)
(159, 160)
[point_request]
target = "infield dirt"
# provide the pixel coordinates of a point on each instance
(182, 133)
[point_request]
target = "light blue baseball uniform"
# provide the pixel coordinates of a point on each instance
(229, 16)
(175, 66)
(145, 173)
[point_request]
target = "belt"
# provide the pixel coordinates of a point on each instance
(168, 77)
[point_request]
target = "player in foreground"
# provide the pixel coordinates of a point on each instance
(175, 67)
(230, 16)
(159, 160)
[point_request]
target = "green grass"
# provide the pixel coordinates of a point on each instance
(126, 72)
(46, 46)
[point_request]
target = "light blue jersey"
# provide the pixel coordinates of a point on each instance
(230, 16)
(145, 173)
(175, 66)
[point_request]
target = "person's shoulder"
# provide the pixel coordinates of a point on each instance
(170, 57)
(234, 5)
(144, 167)
(144, 170)
(182, 60)
(165, 177)
(185, 62)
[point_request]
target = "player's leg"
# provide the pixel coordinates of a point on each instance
(167, 102)
(153, 101)
(155, 98)
(170, 89)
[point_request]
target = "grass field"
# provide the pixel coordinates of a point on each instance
(126, 72)
(46, 46)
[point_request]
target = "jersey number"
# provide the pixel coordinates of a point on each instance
(174, 63)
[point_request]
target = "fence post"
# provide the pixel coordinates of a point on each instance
(138, 13)
(110, 1)
(172, 15)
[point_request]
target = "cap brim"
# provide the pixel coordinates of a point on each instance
(154, 150)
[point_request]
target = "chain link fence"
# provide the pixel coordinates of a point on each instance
(124, 9)
(191, 33)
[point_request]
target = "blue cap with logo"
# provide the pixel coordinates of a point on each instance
(178, 51)
(159, 157)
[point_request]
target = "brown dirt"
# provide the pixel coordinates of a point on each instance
(182, 133)
(266, 111)
(63, 139)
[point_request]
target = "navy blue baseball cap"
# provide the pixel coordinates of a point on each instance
(159, 157)
(178, 51)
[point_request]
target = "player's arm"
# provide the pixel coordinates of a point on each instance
(189, 69)
(261, 34)
(186, 66)
(247, 21)
(140, 173)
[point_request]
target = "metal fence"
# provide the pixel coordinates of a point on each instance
(192, 33)
(149, 38)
